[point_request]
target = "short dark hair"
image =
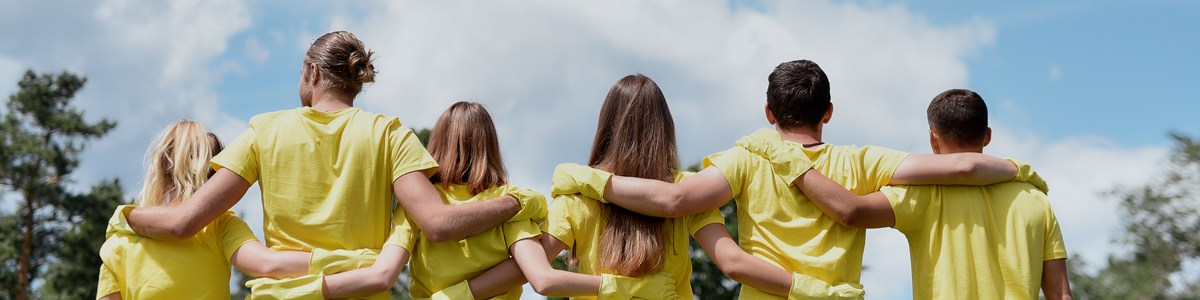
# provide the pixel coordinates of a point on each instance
(798, 93)
(959, 116)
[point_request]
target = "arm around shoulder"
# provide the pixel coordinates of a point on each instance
(442, 222)
(213, 199)
(953, 169)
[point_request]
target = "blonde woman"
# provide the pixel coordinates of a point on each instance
(136, 267)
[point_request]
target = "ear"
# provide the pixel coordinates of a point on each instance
(314, 74)
(987, 137)
(935, 142)
(770, 116)
(828, 114)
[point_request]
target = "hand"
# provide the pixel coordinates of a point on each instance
(323, 261)
(805, 287)
(1025, 173)
(656, 286)
(788, 159)
(461, 290)
(572, 178)
(118, 223)
(533, 204)
(303, 287)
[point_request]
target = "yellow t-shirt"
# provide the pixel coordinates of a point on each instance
(578, 223)
(777, 223)
(983, 242)
(326, 177)
(436, 266)
(144, 268)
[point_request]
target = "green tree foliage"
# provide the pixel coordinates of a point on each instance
(73, 273)
(1162, 227)
(41, 137)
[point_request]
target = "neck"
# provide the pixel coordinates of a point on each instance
(326, 100)
(947, 149)
(804, 135)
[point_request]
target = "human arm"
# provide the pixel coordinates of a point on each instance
(953, 169)
(739, 265)
(442, 222)
(869, 211)
(257, 260)
(700, 192)
(534, 262)
(168, 222)
(379, 277)
(1054, 279)
(113, 296)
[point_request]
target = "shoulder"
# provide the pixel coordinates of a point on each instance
(265, 119)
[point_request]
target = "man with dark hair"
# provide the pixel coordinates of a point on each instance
(998, 241)
(776, 221)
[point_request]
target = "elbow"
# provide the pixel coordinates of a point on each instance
(734, 270)
(382, 281)
(671, 202)
(968, 168)
(437, 232)
(849, 218)
(541, 283)
(184, 231)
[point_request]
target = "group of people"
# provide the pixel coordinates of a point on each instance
(349, 197)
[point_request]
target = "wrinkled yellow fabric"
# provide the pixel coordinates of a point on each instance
(777, 223)
(577, 222)
(436, 266)
(326, 177)
(144, 268)
(977, 242)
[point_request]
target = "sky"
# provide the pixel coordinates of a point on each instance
(1085, 91)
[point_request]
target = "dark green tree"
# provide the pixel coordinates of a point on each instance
(76, 264)
(1161, 223)
(41, 137)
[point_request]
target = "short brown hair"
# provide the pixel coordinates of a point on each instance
(342, 59)
(798, 93)
(635, 137)
(959, 116)
(466, 148)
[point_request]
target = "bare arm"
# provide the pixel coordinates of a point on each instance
(869, 211)
(377, 278)
(742, 266)
(182, 221)
(497, 281)
(953, 169)
(546, 280)
(442, 222)
(113, 296)
(704, 191)
(1054, 279)
(256, 260)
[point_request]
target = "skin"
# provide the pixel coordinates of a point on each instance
(438, 220)
(874, 210)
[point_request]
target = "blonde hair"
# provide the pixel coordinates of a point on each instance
(466, 148)
(177, 163)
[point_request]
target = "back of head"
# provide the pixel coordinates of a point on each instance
(634, 137)
(798, 94)
(177, 163)
(344, 62)
(466, 148)
(959, 116)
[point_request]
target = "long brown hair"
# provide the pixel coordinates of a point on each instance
(635, 137)
(466, 148)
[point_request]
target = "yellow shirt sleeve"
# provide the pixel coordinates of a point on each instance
(407, 153)
(909, 204)
(233, 234)
(1054, 247)
(240, 156)
(558, 222)
(403, 233)
(879, 164)
(697, 221)
(735, 165)
(110, 254)
(518, 230)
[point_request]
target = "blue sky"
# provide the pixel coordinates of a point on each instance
(1071, 85)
